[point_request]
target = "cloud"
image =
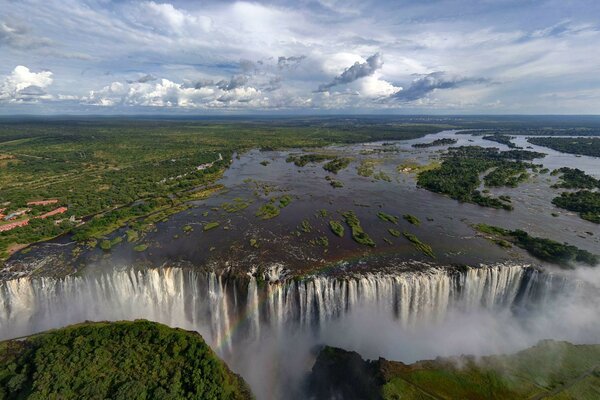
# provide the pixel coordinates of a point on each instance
(166, 93)
(22, 85)
(236, 81)
(356, 71)
(426, 84)
(19, 37)
(289, 62)
(144, 79)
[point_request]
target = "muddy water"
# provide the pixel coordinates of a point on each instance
(445, 223)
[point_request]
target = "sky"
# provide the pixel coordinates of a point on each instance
(303, 56)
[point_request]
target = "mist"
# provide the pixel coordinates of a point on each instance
(277, 364)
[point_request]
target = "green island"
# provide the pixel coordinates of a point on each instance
(562, 254)
(337, 228)
(436, 142)
(211, 225)
(458, 176)
(588, 146)
(574, 178)
(358, 234)
(549, 370)
(412, 219)
(584, 202)
(502, 139)
(118, 360)
(387, 217)
(336, 165)
(419, 245)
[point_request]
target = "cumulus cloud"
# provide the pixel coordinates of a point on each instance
(23, 85)
(166, 93)
(356, 71)
(426, 84)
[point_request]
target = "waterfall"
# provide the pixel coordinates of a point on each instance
(225, 309)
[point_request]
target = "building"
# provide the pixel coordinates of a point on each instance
(59, 210)
(42, 202)
(13, 225)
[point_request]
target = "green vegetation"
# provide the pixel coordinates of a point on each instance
(412, 219)
(589, 146)
(584, 202)
(268, 211)
(301, 161)
(458, 175)
(336, 165)
(387, 217)
(305, 226)
(264, 163)
(382, 176)
(358, 234)
(334, 182)
(422, 247)
(119, 360)
(562, 254)
(141, 247)
(550, 370)
(285, 200)
(574, 178)
(502, 139)
(337, 228)
(366, 168)
(436, 142)
(187, 228)
(394, 232)
(211, 225)
(238, 204)
(132, 235)
(510, 175)
(106, 245)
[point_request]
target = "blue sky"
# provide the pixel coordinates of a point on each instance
(203, 57)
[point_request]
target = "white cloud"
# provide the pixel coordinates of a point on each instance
(23, 85)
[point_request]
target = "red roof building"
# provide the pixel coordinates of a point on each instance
(59, 210)
(42, 202)
(13, 225)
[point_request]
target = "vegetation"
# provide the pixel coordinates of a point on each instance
(458, 175)
(336, 165)
(210, 225)
(337, 228)
(366, 168)
(119, 360)
(358, 234)
(584, 202)
(562, 254)
(574, 178)
(436, 142)
(236, 205)
(387, 217)
(589, 146)
(394, 232)
(268, 211)
(412, 219)
(422, 247)
(301, 161)
(502, 139)
(549, 370)
(141, 247)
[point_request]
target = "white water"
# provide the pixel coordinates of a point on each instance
(225, 310)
